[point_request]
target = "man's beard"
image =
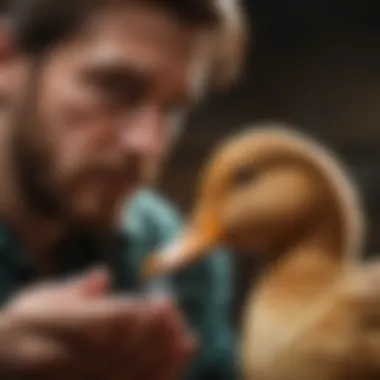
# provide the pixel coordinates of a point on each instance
(50, 194)
(30, 165)
(30, 161)
(52, 197)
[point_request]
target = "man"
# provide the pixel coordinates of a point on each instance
(92, 93)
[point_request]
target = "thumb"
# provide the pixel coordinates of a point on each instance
(92, 284)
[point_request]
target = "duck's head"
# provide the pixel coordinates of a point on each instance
(260, 192)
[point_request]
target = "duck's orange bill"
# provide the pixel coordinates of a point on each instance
(193, 245)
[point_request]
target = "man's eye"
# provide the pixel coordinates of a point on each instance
(115, 89)
(111, 85)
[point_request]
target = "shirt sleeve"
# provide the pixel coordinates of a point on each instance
(205, 295)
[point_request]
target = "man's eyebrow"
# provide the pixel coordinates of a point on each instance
(140, 78)
(122, 71)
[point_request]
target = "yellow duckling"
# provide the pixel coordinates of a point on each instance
(315, 314)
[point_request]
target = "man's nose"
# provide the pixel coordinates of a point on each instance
(144, 132)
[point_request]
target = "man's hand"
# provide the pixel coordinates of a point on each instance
(75, 330)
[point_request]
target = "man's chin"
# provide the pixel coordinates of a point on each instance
(99, 214)
(94, 223)
(98, 219)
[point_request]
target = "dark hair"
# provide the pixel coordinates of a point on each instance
(39, 24)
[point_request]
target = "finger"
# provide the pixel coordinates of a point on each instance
(127, 335)
(167, 341)
(163, 364)
(93, 342)
(35, 356)
(166, 364)
(82, 314)
(121, 337)
(150, 342)
(160, 326)
(134, 347)
(171, 325)
(132, 336)
(98, 284)
(153, 326)
(95, 283)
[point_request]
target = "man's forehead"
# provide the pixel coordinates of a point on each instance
(150, 28)
(149, 45)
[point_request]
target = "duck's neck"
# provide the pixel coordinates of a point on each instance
(308, 269)
(295, 291)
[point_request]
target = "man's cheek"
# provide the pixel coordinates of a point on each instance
(152, 168)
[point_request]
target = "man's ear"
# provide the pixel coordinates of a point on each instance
(7, 43)
(230, 47)
(10, 74)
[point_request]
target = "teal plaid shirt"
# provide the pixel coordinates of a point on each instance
(203, 291)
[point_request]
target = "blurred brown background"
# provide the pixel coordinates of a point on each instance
(314, 64)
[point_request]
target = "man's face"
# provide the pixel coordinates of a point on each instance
(99, 112)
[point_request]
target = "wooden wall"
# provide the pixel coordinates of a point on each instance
(333, 94)
(328, 86)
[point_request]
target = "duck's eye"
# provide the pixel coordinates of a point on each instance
(245, 175)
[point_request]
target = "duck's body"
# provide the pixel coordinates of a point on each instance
(285, 329)
(283, 194)
(334, 337)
